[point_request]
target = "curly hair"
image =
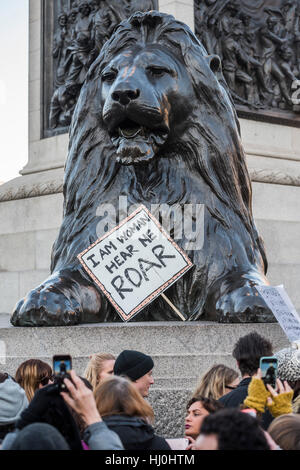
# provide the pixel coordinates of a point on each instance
(209, 404)
(249, 349)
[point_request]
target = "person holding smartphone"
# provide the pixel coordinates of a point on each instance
(277, 398)
(247, 352)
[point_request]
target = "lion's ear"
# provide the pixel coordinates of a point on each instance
(214, 63)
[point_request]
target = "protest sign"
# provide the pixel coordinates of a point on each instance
(284, 311)
(135, 263)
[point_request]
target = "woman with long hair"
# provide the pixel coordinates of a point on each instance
(32, 375)
(125, 411)
(100, 366)
(217, 381)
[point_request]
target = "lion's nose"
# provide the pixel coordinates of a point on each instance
(125, 96)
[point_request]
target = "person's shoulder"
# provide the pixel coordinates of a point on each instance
(235, 397)
(9, 440)
(225, 398)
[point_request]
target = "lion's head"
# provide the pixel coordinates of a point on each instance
(147, 97)
(155, 122)
(147, 91)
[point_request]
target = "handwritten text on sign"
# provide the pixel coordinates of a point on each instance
(135, 262)
(279, 302)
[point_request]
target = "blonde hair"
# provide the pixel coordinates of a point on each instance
(215, 380)
(118, 396)
(95, 367)
(30, 374)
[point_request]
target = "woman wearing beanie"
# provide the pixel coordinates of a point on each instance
(138, 368)
(126, 413)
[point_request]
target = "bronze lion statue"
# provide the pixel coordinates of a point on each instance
(155, 123)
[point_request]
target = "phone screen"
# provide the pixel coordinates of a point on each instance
(62, 365)
(268, 366)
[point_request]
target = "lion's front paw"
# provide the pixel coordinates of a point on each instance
(243, 305)
(47, 306)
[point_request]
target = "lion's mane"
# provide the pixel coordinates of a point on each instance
(206, 165)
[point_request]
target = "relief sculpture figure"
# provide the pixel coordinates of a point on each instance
(260, 54)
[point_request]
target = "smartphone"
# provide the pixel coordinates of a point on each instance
(268, 367)
(62, 365)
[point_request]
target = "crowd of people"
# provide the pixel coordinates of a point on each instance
(107, 408)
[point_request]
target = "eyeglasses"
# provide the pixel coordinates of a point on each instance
(45, 380)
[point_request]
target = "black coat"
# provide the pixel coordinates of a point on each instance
(235, 399)
(135, 433)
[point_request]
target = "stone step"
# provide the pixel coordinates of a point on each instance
(169, 410)
(174, 371)
(163, 338)
(182, 352)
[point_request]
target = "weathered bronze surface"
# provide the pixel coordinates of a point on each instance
(259, 44)
(155, 123)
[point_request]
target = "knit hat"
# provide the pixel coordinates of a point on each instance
(133, 364)
(288, 364)
(39, 436)
(13, 401)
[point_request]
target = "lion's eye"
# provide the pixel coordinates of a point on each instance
(157, 71)
(109, 76)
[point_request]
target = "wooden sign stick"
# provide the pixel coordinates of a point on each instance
(173, 306)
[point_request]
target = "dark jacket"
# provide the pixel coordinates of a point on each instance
(235, 399)
(135, 433)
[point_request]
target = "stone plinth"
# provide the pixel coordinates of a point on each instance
(182, 352)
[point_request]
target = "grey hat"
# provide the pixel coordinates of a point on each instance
(13, 401)
(288, 364)
(39, 436)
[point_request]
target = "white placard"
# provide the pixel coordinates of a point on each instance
(284, 311)
(135, 262)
